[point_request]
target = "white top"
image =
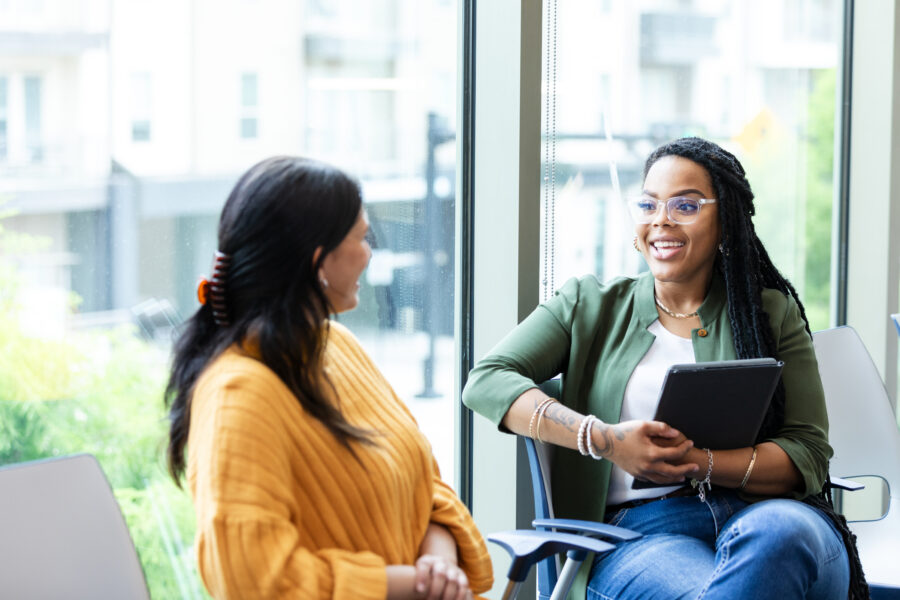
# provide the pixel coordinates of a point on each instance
(641, 399)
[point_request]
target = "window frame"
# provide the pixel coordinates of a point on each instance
(500, 216)
(869, 207)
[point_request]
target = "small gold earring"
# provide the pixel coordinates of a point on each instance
(634, 242)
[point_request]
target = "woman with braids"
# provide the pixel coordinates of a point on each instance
(309, 476)
(763, 528)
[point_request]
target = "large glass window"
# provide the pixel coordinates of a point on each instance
(32, 86)
(127, 149)
(4, 83)
(141, 107)
(757, 78)
(249, 105)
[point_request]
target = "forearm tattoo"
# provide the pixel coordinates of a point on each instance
(562, 415)
(571, 420)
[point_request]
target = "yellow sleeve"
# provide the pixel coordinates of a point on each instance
(248, 544)
(449, 511)
(255, 557)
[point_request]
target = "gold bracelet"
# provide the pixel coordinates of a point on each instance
(538, 411)
(749, 469)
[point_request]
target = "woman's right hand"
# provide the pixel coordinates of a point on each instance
(439, 579)
(432, 578)
(645, 449)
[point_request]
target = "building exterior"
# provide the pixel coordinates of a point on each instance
(124, 123)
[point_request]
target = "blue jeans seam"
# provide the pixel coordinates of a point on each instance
(839, 549)
(599, 594)
(724, 499)
(715, 517)
(725, 553)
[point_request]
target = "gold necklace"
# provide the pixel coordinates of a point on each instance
(672, 313)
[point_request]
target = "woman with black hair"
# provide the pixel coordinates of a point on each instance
(757, 523)
(310, 477)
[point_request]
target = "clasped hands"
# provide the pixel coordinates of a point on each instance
(440, 579)
(654, 451)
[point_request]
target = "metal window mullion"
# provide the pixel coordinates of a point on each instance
(505, 252)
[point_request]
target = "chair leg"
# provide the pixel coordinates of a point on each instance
(566, 577)
(512, 590)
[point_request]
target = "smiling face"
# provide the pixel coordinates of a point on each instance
(681, 254)
(343, 266)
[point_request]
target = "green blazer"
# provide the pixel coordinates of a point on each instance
(595, 335)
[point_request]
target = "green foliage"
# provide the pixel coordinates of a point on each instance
(22, 431)
(819, 197)
(158, 516)
(98, 392)
(791, 170)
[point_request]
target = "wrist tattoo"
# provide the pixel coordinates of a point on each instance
(621, 430)
(609, 434)
(607, 441)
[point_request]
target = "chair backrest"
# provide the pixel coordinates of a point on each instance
(62, 534)
(863, 432)
(539, 460)
(539, 456)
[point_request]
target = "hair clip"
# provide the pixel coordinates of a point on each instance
(203, 291)
(212, 292)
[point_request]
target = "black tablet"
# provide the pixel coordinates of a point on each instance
(719, 405)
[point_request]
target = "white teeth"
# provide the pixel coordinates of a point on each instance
(668, 244)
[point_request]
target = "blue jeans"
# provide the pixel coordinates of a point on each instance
(729, 549)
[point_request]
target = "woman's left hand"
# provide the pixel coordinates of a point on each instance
(773, 472)
(692, 455)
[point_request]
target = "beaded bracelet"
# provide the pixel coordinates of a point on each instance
(580, 439)
(540, 419)
(590, 438)
(538, 413)
(585, 442)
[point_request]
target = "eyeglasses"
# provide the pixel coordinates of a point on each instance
(681, 210)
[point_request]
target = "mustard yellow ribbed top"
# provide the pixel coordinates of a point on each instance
(284, 510)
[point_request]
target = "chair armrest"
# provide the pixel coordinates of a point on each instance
(846, 484)
(526, 547)
(618, 534)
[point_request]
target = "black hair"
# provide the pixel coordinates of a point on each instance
(277, 215)
(747, 270)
